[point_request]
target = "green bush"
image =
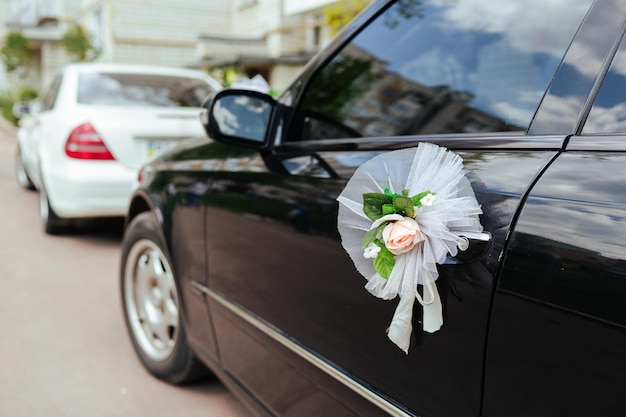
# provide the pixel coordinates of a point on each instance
(77, 44)
(16, 53)
(28, 94)
(6, 106)
(7, 99)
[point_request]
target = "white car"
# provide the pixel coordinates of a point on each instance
(83, 141)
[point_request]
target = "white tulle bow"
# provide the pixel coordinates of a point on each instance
(454, 209)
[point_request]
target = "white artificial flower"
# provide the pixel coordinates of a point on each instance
(371, 251)
(427, 200)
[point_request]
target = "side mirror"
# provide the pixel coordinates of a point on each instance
(21, 109)
(238, 116)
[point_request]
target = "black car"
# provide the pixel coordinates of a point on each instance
(234, 260)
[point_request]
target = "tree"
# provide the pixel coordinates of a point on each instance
(339, 14)
(16, 52)
(345, 79)
(404, 9)
(77, 44)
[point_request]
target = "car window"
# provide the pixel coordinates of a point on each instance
(50, 95)
(608, 114)
(118, 89)
(441, 67)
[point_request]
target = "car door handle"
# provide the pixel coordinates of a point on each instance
(477, 245)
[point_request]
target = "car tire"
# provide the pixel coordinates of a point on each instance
(52, 223)
(23, 179)
(150, 300)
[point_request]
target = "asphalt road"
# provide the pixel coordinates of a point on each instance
(63, 348)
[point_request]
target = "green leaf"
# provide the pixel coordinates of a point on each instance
(370, 237)
(373, 205)
(405, 205)
(384, 262)
(417, 197)
(389, 193)
(389, 209)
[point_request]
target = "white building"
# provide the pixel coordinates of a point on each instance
(274, 38)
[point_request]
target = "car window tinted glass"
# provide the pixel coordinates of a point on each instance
(608, 114)
(50, 96)
(117, 89)
(441, 67)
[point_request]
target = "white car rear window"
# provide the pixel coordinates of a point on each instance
(141, 90)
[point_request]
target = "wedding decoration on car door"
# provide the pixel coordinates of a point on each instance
(400, 215)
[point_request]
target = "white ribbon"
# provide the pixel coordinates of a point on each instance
(401, 326)
(433, 312)
(399, 331)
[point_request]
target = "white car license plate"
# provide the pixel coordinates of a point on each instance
(157, 147)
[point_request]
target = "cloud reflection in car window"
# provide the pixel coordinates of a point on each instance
(441, 67)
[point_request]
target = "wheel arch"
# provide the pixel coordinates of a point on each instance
(140, 202)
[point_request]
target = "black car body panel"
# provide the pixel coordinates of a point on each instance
(534, 326)
(558, 318)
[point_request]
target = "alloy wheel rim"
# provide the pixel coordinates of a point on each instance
(151, 300)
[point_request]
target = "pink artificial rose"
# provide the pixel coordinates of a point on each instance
(402, 235)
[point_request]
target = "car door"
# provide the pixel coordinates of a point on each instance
(558, 341)
(294, 324)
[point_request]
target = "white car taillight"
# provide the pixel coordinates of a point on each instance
(85, 143)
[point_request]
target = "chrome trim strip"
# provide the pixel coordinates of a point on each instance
(482, 236)
(374, 398)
